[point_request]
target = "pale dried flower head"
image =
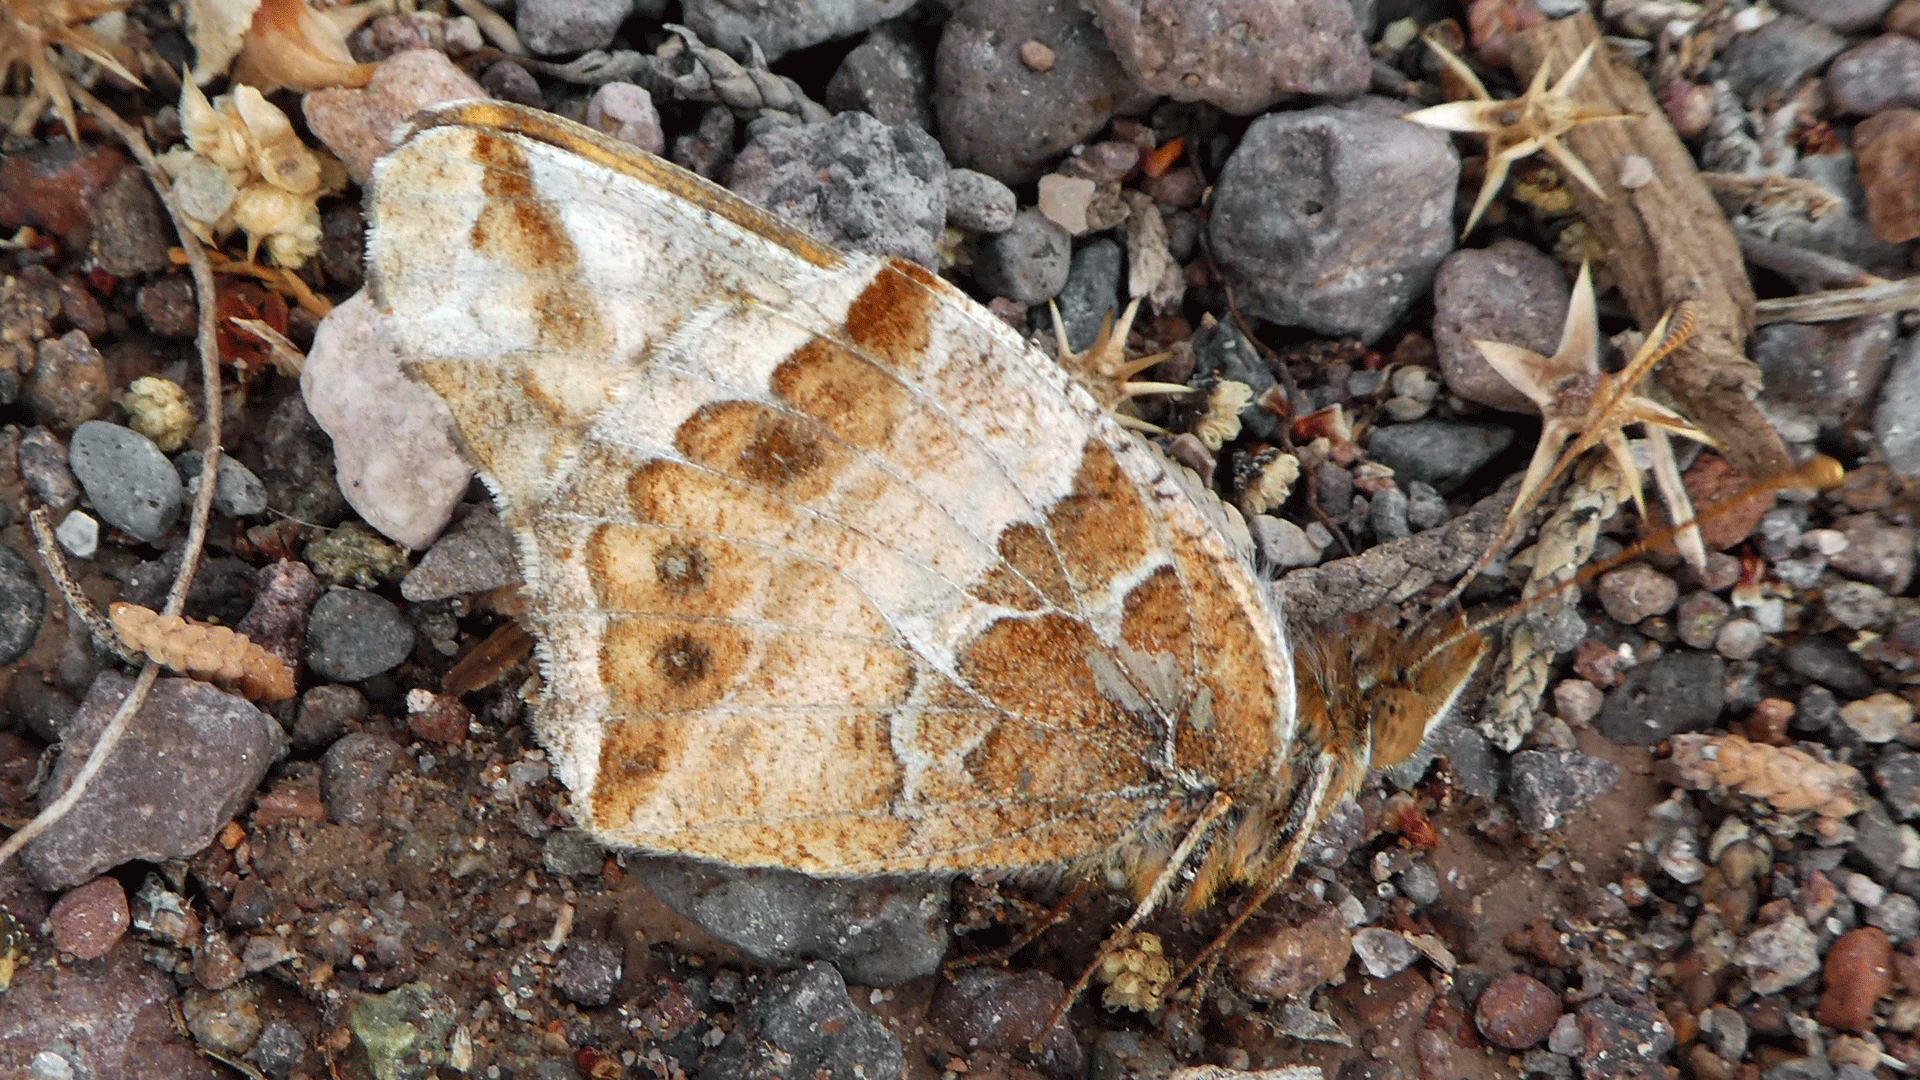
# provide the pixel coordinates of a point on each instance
(276, 43)
(243, 166)
(1220, 424)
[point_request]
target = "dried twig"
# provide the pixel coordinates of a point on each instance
(202, 503)
(1833, 305)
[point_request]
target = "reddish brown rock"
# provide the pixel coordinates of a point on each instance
(1858, 972)
(88, 920)
(1290, 958)
(1516, 1011)
(1887, 147)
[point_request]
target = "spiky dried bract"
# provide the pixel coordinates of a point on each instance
(29, 30)
(1530, 123)
(1790, 780)
(211, 653)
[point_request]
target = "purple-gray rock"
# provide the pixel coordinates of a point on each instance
(992, 1009)
(237, 493)
(1846, 16)
(130, 233)
(887, 76)
(130, 483)
(353, 772)
(1547, 784)
(1007, 119)
(979, 203)
(1625, 1037)
(1826, 369)
(589, 971)
(509, 81)
(475, 554)
(1678, 692)
(1768, 62)
(1882, 74)
(69, 384)
(852, 181)
(1897, 772)
(1241, 55)
(879, 932)
(297, 466)
(1896, 420)
(1879, 840)
(1444, 453)
(1335, 218)
(106, 1019)
(780, 28)
(188, 763)
(1028, 262)
(1508, 292)
(553, 27)
(804, 1025)
(354, 635)
(324, 715)
(43, 465)
(1876, 552)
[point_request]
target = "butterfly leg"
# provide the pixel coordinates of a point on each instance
(1054, 917)
(1216, 809)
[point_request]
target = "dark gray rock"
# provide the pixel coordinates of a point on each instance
(804, 1025)
(1443, 453)
(979, 203)
(297, 466)
(1092, 292)
(783, 27)
(1825, 369)
(572, 853)
(131, 484)
(354, 635)
(1898, 774)
(1547, 784)
(1243, 56)
(325, 714)
(1387, 514)
(1335, 218)
(1028, 262)
(1678, 692)
(887, 76)
(238, 493)
(852, 181)
(1007, 119)
(995, 1010)
(879, 931)
(188, 763)
(1846, 16)
(1624, 1039)
(23, 605)
(1828, 663)
(1879, 842)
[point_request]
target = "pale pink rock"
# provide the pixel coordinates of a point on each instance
(395, 452)
(358, 125)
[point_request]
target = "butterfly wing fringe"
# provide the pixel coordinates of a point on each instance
(210, 653)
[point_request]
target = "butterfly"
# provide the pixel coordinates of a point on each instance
(829, 570)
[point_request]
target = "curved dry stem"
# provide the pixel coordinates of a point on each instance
(202, 502)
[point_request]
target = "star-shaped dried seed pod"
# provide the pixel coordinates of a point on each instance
(1579, 401)
(1513, 129)
(1106, 372)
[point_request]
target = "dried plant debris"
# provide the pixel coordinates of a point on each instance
(1786, 778)
(211, 653)
(275, 43)
(1533, 122)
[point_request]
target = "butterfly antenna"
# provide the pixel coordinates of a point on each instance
(1818, 471)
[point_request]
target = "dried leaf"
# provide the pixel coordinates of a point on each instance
(213, 653)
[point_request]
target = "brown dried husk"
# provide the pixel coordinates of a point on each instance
(204, 651)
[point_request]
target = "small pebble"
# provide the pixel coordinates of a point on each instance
(1879, 718)
(354, 635)
(1383, 952)
(1635, 591)
(79, 534)
(89, 920)
(1779, 955)
(131, 484)
(1576, 700)
(238, 493)
(1738, 639)
(626, 112)
(1858, 973)
(1516, 1011)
